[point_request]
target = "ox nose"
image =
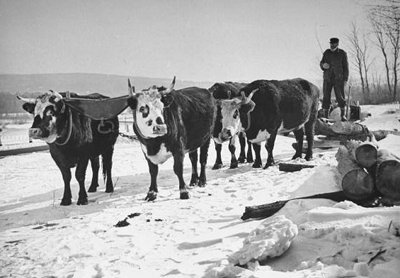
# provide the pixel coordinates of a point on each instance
(35, 133)
(160, 129)
(225, 134)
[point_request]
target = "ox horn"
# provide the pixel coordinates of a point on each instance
(171, 87)
(245, 99)
(131, 88)
(27, 100)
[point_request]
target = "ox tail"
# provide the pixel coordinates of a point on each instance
(103, 167)
(106, 164)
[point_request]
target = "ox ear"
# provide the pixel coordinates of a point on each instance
(132, 103)
(29, 107)
(29, 104)
(171, 87)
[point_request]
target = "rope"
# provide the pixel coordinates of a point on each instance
(132, 137)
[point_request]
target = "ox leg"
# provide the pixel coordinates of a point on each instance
(153, 190)
(257, 150)
(270, 147)
(94, 162)
(178, 169)
(232, 149)
(194, 181)
(242, 142)
(309, 129)
(218, 161)
(203, 163)
(249, 156)
(66, 174)
(107, 166)
(299, 135)
(80, 173)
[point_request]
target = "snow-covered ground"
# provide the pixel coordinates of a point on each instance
(196, 237)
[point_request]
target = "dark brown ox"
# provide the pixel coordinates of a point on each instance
(271, 107)
(224, 91)
(73, 139)
(170, 123)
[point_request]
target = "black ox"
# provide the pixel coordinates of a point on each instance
(269, 107)
(73, 139)
(224, 91)
(170, 123)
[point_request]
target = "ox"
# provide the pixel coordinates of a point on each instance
(271, 107)
(73, 139)
(170, 123)
(221, 91)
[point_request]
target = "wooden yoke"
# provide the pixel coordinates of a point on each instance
(98, 109)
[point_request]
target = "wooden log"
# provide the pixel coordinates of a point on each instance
(293, 167)
(348, 130)
(366, 154)
(388, 175)
(267, 210)
(356, 182)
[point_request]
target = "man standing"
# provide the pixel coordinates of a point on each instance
(336, 73)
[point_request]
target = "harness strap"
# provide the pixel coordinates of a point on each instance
(69, 129)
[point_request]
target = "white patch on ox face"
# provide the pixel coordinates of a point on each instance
(149, 113)
(230, 118)
(44, 109)
(162, 155)
(262, 135)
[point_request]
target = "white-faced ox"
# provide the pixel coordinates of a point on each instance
(225, 91)
(268, 108)
(170, 123)
(73, 139)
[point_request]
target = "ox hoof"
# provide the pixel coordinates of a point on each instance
(267, 166)
(82, 202)
(217, 166)
(92, 188)
(257, 165)
(250, 160)
(296, 156)
(110, 190)
(65, 202)
(241, 159)
(308, 157)
(184, 195)
(151, 196)
(194, 181)
(202, 183)
(234, 165)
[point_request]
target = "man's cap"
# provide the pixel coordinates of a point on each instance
(334, 40)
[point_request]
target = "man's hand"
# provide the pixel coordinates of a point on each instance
(325, 66)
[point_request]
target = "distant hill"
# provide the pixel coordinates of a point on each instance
(82, 83)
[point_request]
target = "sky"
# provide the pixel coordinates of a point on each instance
(201, 40)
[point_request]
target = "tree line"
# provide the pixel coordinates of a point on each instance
(383, 34)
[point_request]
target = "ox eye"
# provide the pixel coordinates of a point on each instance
(144, 110)
(236, 114)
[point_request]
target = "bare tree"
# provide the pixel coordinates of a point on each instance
(385, 20)
(360, 55)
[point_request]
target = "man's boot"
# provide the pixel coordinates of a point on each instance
(342, 115)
